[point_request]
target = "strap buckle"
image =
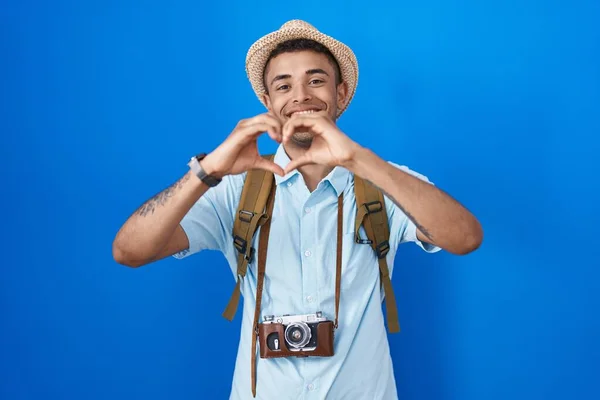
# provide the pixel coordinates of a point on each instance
(382, 249)
(360, 240)
(373, 207)
(246, 216)
(240, 244)
(250, 256)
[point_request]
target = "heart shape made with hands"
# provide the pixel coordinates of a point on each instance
(330, 146)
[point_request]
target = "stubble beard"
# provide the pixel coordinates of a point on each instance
(303, 139)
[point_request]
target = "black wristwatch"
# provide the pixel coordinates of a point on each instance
(196, 168)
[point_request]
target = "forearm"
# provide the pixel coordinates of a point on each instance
(441, 219)
(148, 230)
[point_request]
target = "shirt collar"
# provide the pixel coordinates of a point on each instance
(338, 177)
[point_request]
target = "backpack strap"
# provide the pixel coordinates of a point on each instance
(371, 213)
(249, 216)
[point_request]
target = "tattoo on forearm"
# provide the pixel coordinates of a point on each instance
(419, 226)
(161, 198)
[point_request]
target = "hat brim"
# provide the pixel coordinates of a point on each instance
(258, 54)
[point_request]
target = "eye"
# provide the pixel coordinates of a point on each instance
(316, 81)
(283, 87)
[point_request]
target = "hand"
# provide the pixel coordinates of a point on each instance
(330, 146)
(239, 152)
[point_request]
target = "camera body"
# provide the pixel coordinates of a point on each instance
(296, 335)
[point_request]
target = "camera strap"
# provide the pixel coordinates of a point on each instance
(260, 278)
(262, 261)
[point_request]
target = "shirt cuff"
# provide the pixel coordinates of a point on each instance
(411, 236)
(194, 247)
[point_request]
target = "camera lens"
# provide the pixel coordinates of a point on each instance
(297, 334)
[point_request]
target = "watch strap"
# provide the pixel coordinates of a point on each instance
(197, 169)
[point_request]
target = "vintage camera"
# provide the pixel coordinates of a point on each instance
(300, 331)
(296, 335)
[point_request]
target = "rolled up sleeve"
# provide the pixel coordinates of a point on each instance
(402, 229)
(209, 223)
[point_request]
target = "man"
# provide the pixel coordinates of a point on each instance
(306, 80)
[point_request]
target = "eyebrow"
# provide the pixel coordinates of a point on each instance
(308, 72)
(316, 71)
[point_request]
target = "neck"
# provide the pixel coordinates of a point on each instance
(312, 173)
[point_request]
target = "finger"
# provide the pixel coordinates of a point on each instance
(267, 118)
(255, 130)
(297, 163)
(269, 166)
(275, 125)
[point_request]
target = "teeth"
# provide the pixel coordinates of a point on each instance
(304, 112)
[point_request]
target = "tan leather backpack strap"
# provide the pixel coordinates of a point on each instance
(249, 216)
(260, 278)
(372, 214)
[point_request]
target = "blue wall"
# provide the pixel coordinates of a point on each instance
(102, 104)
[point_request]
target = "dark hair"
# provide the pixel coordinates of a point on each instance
(293, 45)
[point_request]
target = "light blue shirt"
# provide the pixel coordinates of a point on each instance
(300, 279)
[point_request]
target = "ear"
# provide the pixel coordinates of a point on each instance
(342, 94)
(267, 100)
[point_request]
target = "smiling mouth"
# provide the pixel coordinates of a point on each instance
(303, 112)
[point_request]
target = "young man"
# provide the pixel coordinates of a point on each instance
(306, 80)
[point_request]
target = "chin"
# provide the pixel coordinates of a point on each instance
(303, 139)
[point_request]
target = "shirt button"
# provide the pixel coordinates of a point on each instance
(307, 253)
(311, 386)
(289, 184)
(309, 299)
(307, 210)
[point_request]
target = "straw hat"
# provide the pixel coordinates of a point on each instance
(257, 56)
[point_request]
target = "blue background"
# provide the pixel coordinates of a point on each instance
(103, 103)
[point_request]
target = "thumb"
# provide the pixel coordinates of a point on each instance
(296, 163)
(269, 166)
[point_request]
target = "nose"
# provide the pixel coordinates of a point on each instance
(301, 94)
